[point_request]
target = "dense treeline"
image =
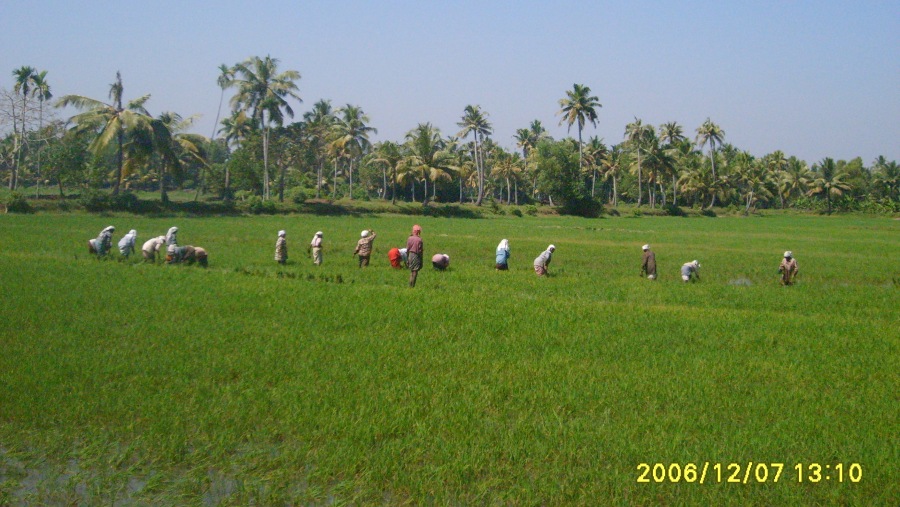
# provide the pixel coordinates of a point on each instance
(260, 151)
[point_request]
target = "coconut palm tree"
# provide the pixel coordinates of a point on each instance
(426, 154)
(319, 123)
(710, 133)
(263, 92)
(110, 120)
(41, 89)
(226, 74)
(389, 155)
(636, 133)
(24, 82)
(794, 178)
(352, 135)
(612, 165)
(829, 181)
(594, 153)
(474, 121)
(887, 174)
(579, 107)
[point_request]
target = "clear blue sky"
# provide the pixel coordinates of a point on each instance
(811, 78)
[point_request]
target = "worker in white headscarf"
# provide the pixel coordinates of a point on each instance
(170, 236)
(151, 248)
(502, 255)
(102, 243)
(126, 244)
(690, 271)
(542, 262)
(316, 246)
(281, 252)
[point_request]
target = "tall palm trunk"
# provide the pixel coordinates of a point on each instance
(394, 184)
(640, 176)
(266, 163)
(351, 179)
(712, 162)
(119, 160)
(480, 170)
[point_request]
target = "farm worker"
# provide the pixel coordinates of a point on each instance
(648, 263)
(281, 252)
(170, 236)
(502, 255)
(316, 245)
(690, 271)
(404, 255)
(101, 244)
(542, 263)
(202, 256)
(440, 261)
(151, 247)
(415, 248)
(175, 254)
(364, 247)
(395, 257)
(126, 244)
(788, 268)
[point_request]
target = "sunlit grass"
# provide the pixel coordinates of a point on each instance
(249, 381)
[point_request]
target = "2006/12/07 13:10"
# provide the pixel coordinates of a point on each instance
(738, 473)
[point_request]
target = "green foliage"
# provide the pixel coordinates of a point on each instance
(531, 210)
(17, 203)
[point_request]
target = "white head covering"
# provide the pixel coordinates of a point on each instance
(695, 263)
(132, 232)
(281, 233)
(172, 230)
(364, 233)
(551, 248)
(788, 254)
(319, 233)
(504, 244)
(645, 247)
(447, 257)
(108, 228)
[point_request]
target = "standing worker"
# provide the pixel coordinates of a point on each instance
(648, 263)
(101, 244)
(690, 271)
(171, 236)
(151, 247)
(281, 252)
(126, 244)
(415, 248)
(316, 245)
(502, 255)
(542, 263)
(788, 268)
(364, 247)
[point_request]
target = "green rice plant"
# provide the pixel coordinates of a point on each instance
(253, 382)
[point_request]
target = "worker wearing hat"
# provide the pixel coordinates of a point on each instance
(788, 268)
(648, 263)
(364, 247)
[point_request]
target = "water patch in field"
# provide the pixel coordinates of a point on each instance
(740, 282)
